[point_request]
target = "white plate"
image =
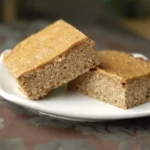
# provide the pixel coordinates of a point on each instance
(67, 105)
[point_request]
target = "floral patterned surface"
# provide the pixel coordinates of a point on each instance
(22, 129)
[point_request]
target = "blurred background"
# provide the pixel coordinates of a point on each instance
(113, 24)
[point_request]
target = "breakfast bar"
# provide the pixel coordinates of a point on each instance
(25, 129)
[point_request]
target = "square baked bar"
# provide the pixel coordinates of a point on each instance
(120, 79)
(50, 58)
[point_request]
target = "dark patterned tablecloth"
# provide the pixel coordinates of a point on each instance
(21, 129)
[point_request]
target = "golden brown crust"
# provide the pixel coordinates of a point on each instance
(42, 47)
(123, 65)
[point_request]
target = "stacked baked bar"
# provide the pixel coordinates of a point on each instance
(120, 80)
(52, 57)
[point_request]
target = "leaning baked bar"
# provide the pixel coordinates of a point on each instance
(120, 80)
(50, 58)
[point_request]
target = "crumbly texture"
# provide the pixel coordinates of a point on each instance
(42, 47)
(63, 69)
(51, 58)
(113, 84)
